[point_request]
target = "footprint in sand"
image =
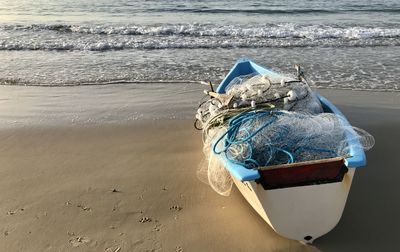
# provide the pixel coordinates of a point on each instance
(84, 208)
(157, 227)
(144, 220)
(12, 212)
(113, 250)
(176, 208)
(78, 240)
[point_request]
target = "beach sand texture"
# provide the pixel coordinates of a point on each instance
(134, 188)
(129, 188)
(97, 101)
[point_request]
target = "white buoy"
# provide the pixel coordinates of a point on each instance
(212, 109)
(253, 104)
(265, 81)
(292, 95)
(235, 105)
(285, 100)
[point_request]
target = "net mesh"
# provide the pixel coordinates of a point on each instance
(262, 139)
(270, 122)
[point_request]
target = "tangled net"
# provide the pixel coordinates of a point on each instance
(269, 122)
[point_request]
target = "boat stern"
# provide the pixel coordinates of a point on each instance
(301, 213)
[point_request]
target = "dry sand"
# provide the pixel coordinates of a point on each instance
(119, 189)
(134, 188)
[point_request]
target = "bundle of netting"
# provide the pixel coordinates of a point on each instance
(263, 138)
(245, 94)
(261, 121)
(250, 91)
(287, 93)
(211, 171)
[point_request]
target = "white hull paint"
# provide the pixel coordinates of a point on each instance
(298, 212)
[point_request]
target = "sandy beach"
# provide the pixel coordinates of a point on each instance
(97, 103)
(133, 187)
(129, 188)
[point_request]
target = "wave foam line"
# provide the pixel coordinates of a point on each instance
(118, 44)
(149, 82)
(10, 82)
(284, 30)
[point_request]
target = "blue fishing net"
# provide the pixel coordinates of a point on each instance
(270, 122)
(264, 138)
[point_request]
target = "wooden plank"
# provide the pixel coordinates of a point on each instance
(311, 162)
(304, 173)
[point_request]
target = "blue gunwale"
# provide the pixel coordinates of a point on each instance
(244, 67)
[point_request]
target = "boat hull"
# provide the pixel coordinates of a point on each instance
(301, 213)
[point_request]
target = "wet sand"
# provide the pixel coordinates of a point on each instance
(134, 188)
(370, 220)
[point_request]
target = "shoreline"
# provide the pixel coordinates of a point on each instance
(88, 106)
(182, 82)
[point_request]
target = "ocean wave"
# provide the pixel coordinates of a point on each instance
(245, 11)
(188, 36)
(105, 82)
(285, 30)
(153, 44)
(354, 68)
(276, 11)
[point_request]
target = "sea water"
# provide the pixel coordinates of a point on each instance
(341, 44)
(346, 44)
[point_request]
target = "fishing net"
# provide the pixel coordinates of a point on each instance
(260, 91)
(269, 122)
(288, 93)
(264, 138)
(211, 171)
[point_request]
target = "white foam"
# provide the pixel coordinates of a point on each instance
(105, 37)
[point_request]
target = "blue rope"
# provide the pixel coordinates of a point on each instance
(231, 137)
(290, 155)
(240, 132)
(234, 126)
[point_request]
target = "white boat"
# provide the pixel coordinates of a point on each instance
(300, 201)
